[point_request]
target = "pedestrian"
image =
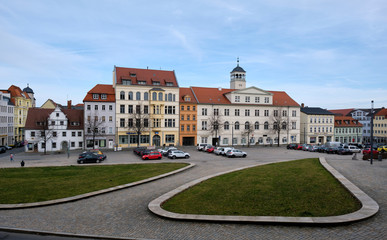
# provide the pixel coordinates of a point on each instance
(22, 163)
(11, 157)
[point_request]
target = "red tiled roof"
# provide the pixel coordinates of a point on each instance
(281, 98)
(184, 92)
(147, 75)
(346, 121)
(382, 112)
(17, 92)
(211, 95)
(101, 89)
(41, 114)
(341, 112)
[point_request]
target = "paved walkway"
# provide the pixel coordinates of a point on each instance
(125, 214)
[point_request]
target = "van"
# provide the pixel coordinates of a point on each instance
(333, 144)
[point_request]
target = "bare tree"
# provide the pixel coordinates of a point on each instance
(249, 129)
(46, 132)
(280, 122)
(139, 121)
(94, 127)
(215, 124)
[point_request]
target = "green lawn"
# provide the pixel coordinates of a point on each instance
(26, 185)
(301, 188)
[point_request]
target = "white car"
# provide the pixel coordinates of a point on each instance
(236, 153)
(354, 149)
(178, 154)
(218, 150)
(225, 150)
(163, 151)
(202, 146)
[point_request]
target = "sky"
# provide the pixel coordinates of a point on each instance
(323, 53)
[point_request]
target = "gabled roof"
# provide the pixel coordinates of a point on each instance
(15, 91)
(148, 75)
(346, 121)
(101, 89)
(211, 95)
(41, 114)
(184, 92)
(252, 90)
(281, 98)
(382, 112)
(342, 112)
(315, 111)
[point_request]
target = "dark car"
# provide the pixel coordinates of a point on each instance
(145, 152)
(292, 146)
(343, 150)
(90, 157)
(322, 148)
(330, 150)
(3, 149)
(138, 150)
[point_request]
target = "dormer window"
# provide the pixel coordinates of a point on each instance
(237, 98)
(141, 82)
(103, 96)
(187, 98)
(156, 83)
(247, 99)
(169, 84)
(133, 75)
(95, 96)
(126, 82)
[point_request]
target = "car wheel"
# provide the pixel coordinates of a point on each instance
(244, 155)
(173, 157)
(159, 158)
(186, 156)
(81, 161)
(146, 158)
(97, 161)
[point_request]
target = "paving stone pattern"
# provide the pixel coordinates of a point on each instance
(125, 214)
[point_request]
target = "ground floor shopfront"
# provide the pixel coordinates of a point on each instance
(107, 141)
(153, 138)
(316, 139)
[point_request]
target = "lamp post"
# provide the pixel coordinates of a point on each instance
(372, 130)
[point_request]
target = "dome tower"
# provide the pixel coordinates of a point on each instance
(238, 77)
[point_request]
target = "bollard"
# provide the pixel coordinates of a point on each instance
(354, 157)
(380, 156)
(22, 163)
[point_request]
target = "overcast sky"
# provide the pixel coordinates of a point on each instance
(329, 54)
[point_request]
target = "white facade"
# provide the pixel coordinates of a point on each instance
(317, 128)
(101, 115)
(251, 107)
(6, 119)
(362, 116)
(61, 133)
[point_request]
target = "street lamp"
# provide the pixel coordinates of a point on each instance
(372, 130)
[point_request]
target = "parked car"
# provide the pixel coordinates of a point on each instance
(292, 146)
(225, 150)
(8, 147)
(332, 150)
(178, 154)
(382, 149)
(313, 148)
(3, 149)
(210, 149)
(169, 151)
(236, 153)
(299, 147)
(368, 151)
(151, 155)
(146, 152)
(322, 148)
(354, 149)
(90, 157)
(164, 150)
(218, 150)
(201, 146)
(343, 150)
(138, 150)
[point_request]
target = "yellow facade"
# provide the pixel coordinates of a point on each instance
(380, 127)
(22, 105)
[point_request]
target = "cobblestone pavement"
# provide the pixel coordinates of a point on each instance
(124, 213)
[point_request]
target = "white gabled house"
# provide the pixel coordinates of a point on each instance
(54, 130)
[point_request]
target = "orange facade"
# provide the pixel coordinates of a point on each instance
(188, 117)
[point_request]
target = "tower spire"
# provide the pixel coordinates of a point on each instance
(238, 61)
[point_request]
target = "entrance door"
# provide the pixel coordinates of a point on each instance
(64, 145)
(188, 141)
(156, 140)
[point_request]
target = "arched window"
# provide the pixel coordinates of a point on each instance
(275, 125)
(236, 125)
(122, 95)
(284, 140)
(160, 96)
(145, 96)
(174, 97)
(226, 126)
(154, 96)
(266, 125)
(138, 96)
(284, 125)
(247, 125)
(170, 97)
(130, 96)
(256, 125)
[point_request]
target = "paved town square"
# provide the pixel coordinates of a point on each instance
(124, 213)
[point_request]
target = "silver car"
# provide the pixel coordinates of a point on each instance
(178, 154)
(218, 150)
(236, 153)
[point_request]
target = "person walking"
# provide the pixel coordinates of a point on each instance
(11, 157)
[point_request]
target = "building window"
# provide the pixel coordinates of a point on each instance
(182, 108)
(160, 96)
(95, 96)
(188, 128)
(237, 98)
(257, 112)
(138, 96)
(126, 82)
(182, 128)
(63, 134)
(103, 107)
(216, 112)
(204, 139)
(170, 138)
(54, 145)
(226, 112)
(236, 112)
(73, 134)
(226, 126)
(130, 109)
(266, 99)
(275, 113)
(122, 95)
(225, 141)
(122, 108)
(204, 111)
(130, 96)
(247, 112)
(204, 125)
(236, 126)
(32, 134)
(266, 126)
(256, 125)
(256, 99)
(266, 113)
(284, 113)
(122, 122)
(54, 134)
(247, 125)
(247, 99)
(88, 107)
(96, 107)
(188, 108)
(193, 127)
(294, 113)
(103, 96)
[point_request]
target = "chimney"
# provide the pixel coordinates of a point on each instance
(302, 105)
(69, 104)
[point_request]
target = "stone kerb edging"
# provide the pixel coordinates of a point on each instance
(91, 194)
(369, 206)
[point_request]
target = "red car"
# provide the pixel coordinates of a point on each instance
(299, 147)
(152, 155)
(368, 151)
(211, 149)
